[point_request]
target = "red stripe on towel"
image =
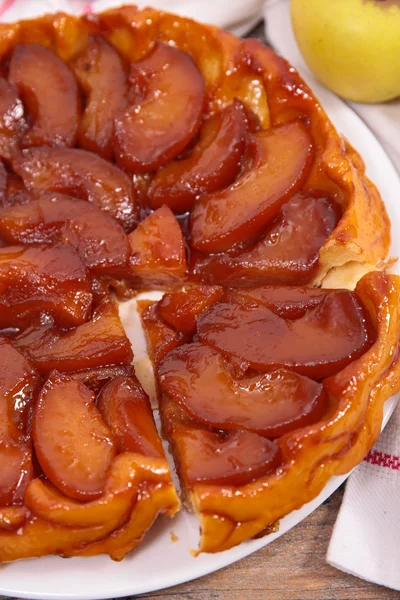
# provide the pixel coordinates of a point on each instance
(5, 5)
(389, 461)
(88, 8)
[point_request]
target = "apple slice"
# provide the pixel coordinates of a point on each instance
(286, 302)
(125, 407)
(271, 404)
(99, 342)
(318, 344)
(3, 184)
(158, 250)
(16, 470)
(102, 78)
(99, 240)
(219, 458)
(288, 254)
(74, 446)
(81, 174)
(181, 309)
(280, 159)
(43, 278)
(96, 378)
(213, 164)
(161, 338)
(12, 120)
(166, 110)
(13, 191)
(50, 93)
(19, 387)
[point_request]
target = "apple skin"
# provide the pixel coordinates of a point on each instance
(351, 46)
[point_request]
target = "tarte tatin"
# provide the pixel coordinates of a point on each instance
(140, 150)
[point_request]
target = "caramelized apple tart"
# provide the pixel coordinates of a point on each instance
(267, 392)
(140, 150)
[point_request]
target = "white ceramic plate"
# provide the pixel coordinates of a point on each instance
(158, 562)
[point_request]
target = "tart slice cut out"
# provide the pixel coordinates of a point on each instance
(239, 428)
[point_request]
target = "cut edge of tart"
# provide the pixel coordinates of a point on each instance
(334, 444)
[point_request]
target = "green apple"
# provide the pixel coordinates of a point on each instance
(351, 46)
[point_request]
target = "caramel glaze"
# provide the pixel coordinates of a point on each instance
(141, 105)
(205, 387)
(206, 400)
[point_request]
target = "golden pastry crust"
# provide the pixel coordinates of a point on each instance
(137, 490)
(247, 70)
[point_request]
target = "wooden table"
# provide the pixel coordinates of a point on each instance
(292, 568)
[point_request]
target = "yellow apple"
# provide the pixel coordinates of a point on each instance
(351, 46)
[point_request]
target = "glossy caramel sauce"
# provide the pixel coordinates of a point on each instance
(143, 151)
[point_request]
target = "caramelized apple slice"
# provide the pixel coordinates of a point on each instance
(280, 160)
(12, 121)
(319, 344)
(43, 278)
(16, 470)
(232, 458)
(49, 91)
(81, 174)
(288, 254)
(99, 342)
(165, 113)
(96, 378)
(19, 386)
(160, 337)
(74, 446)
(125, 407)
(158, 250)
(181, 309)
(101, 75)
(99, 240)
(287, 302)
(3, 184)
(13, 192)
(271, 404)
(213, 164)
